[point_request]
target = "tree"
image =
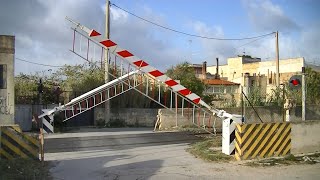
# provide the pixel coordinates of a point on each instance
(312, 91)
(26, 89)
(312, 86)
(255, 97)
(76, 80)
(79, 79)
(185, 73)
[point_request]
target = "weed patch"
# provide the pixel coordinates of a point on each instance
(207, 150)
(287, 160)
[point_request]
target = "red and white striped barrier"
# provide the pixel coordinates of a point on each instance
(139, 63)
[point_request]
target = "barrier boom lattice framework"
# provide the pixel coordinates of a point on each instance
(123, 82)
(154, 78)
(141, 64)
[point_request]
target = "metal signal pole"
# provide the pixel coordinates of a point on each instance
(303, 93)
(106, 61)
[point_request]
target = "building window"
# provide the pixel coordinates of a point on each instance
(3, 76)
(210, 90)
(229, 89)
(218, 89)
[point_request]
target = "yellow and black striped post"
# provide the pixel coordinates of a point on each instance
(14, 143)
(262, 140)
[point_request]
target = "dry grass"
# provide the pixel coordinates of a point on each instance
(207, 150)
(287, 160)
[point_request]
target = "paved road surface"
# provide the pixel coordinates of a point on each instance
(142, 154)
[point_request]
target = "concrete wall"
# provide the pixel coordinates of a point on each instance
(128, 116)
(168, 119)
(7, 50)
(305, 137)
(267, 114)
(147, 117)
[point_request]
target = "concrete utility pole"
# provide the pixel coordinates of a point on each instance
(303, 88)
(277, 60)
(106, 61)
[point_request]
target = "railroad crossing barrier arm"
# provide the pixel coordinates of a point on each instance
(47, 116)
(229, 120)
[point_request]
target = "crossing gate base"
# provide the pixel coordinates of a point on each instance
(262, 140)
(16, 144)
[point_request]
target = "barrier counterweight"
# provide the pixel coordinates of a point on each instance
(14, 143)
(262, 140)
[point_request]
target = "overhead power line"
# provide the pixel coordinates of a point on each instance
(188, 34)
(19, 59)
(250, 42)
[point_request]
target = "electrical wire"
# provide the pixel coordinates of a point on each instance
(235, 48)
(188, 34)
(19, 59)
(250, 42)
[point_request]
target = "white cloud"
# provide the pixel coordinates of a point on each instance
(116, 14)
(213, 48)
(305, 45)
(266, 16)
(310, 42)
(44, 36)
(265, 48)
(294, 40)
(24, 40)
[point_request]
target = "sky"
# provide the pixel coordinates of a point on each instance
(43, 35)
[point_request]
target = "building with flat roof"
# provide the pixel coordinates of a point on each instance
(248, 72)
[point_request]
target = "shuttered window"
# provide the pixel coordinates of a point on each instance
(3, 76)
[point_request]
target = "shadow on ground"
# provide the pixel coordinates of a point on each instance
(117, 142)
(106, 167)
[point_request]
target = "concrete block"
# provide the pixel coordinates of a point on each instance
(305, 137)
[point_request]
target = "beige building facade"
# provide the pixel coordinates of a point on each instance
(248, 72)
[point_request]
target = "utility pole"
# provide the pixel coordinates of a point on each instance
(277, 60)
(303, 88)
(106, 61)
(283, 99)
